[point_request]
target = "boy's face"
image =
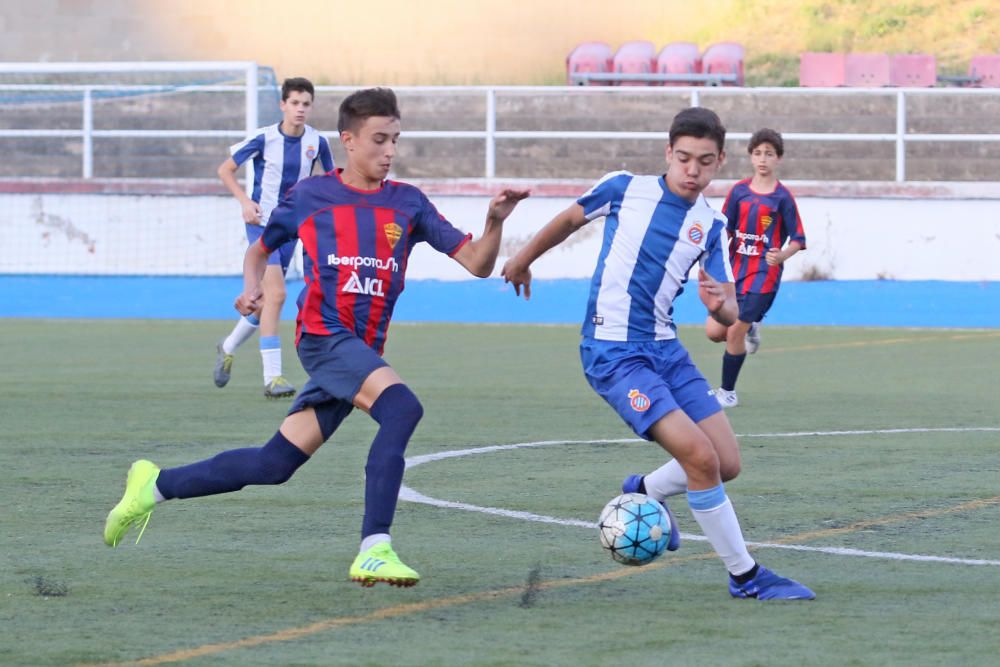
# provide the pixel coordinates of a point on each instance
(296, 108)
(692, 163)
(372, 147)
(764, 159)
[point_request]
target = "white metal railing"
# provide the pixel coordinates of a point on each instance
(490, 135)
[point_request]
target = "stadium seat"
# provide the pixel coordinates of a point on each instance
(985, 71)
(822, 70)
(679, 58)
(724, 58)
(638, 57)
(592, 57)
(867, 70)
(912, 70)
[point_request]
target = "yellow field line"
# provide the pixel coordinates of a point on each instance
(885, 341)
(394, 611)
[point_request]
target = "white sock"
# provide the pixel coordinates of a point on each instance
(272, 363)
(667, 480)
(722, 529)
(241, 333)
(372, 540)
(157, 496)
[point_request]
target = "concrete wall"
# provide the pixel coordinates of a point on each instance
(849, 239)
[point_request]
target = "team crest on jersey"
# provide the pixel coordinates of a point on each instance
(696, 233)
(392, 233)
(310, 152)
(765, 222)
(638, 400)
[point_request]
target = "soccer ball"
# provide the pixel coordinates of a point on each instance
(634, 528)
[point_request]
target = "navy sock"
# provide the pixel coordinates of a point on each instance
(731, 365)
(397, 412)
(746, 576)
(229, 471)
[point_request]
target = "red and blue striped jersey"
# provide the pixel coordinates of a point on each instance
(756, 223)
(355, 247)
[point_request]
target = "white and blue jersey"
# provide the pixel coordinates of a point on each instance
(280, 161)
(652, 239)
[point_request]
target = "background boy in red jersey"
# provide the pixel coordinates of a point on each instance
(764, 230)
(357, 231)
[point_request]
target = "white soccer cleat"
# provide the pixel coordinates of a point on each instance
(752, 339)
(726, 399)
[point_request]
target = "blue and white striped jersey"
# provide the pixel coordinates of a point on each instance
(279, 162)
(652, 239)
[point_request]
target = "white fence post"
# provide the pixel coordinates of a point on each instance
(900, 136)
(491, 129)
(88, 133)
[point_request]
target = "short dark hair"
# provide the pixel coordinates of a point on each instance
(767, 136)
(297, 84)
(364, 104)
(700, 123)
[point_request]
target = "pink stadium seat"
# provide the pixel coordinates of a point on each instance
(867, 70)
(822, 70)
(912, 70)
(679, 58)
(985, 70)
(724, 58)
(637, 57)
(592, 57)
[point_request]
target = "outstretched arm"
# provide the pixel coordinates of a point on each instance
(517, 270)
(480, 256)
(719, 298)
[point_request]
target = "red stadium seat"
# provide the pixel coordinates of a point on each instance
(822, 70)
(985, 70)
(679, 58)
(724, 58)
(637, 57)
(867, 70)
(589, 57)
(912, 70)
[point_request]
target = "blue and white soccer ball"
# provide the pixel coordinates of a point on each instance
(634, 528)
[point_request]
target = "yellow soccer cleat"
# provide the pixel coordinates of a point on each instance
(135, 506)
(380, 563)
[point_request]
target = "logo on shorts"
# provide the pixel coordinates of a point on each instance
(638, 400)
(696, 233)
(765, 222)
(392, 233)
(310, 152)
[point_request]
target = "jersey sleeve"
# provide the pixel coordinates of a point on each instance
(793, 223)
(325, 155)
(246, 149)
(283, 225)
(598, 201)
(731, 209)
(432, 227)
(715, 259)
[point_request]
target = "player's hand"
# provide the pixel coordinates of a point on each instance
(773, 257)
(251, 212)
(249, 302)
(502, 205)
(518, 276)
(710, 292)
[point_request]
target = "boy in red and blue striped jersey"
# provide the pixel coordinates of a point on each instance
(764, 230)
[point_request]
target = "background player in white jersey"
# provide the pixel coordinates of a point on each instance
(282, 154)
(656, 229)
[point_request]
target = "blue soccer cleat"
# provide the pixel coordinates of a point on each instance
(769, 586)
(631, 485)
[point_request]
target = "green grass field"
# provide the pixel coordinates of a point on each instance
(260, 577)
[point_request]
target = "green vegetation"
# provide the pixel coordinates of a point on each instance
(260, 577)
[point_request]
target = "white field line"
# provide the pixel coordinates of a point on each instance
(406, 493)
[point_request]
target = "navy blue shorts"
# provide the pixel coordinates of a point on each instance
(645, 381)
(282, 255)
(753, 306)
(337, 366)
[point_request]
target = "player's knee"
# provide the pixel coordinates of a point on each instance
(729, 470)
(702, 462)
(398, 404)
(716, 336)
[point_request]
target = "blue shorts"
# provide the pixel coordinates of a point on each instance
(753, 306)
(644, 381)
(282, 255)
(337, 366)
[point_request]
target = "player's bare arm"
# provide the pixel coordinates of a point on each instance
(254, 263)
(479, 257)
(776, 256)
(517, 270)
(227, 173)
(719, 298)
